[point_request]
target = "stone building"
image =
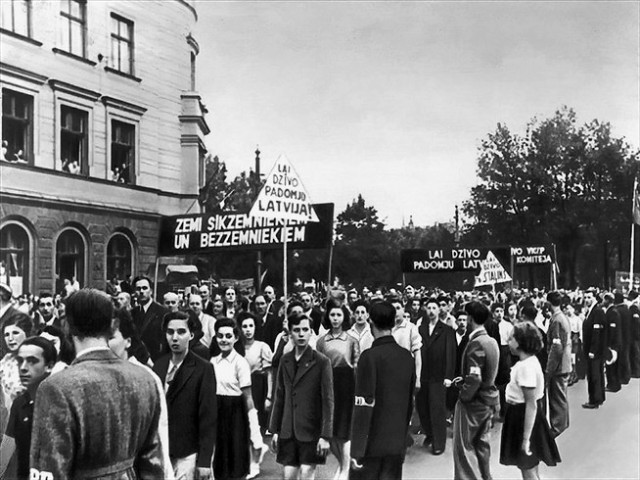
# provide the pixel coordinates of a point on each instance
(102, 134)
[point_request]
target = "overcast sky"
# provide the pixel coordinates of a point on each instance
(391, 99)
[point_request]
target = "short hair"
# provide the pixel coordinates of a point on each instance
(554, 298)
(443, 298)
(171, 294)
(191, 322)
(496, 305)
(123, 321)
(297, 318)
(332, 304)
(67, 350)
(242, 316)
(89, 313)
(360, 303)
(382, 315)
(477, 311)
(633, 294)
(49, 353)
(608, 297)
(227, 322)
(529, 312)
(528, 337)
(20, 320)
(292, 305)
(432, 300)
(142, 277)
(393, 299)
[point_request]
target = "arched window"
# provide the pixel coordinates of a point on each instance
(14, 258)
(70, 258)
(119, 257)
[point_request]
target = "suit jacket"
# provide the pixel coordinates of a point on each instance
(149, 325)
(559, 345)
(614, 332)
(192, 406)
(594, 334)
(303, 401)
(479, 369)
(438, 352)
(268, 328)
(385, 381)
(97, 418)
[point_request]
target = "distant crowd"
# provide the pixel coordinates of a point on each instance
(203, 381)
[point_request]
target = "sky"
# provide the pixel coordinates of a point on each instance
(392, 99)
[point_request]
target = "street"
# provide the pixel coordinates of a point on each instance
(599, 444)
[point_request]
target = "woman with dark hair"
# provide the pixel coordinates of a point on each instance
(238, 429)
(526, 438)
(343, 350)
(64, 347)
(15, 330)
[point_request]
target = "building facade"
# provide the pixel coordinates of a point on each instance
(102, 134)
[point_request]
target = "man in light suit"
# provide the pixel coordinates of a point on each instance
(148, 317)
(190, 386)
(302, 412)
(478, 399)
(99, 417)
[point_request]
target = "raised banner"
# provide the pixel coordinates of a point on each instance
(491, 272)
(200, 233)
(462, 259)
(534, 255)
(283, 196)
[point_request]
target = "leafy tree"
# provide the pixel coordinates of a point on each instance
(560, 183)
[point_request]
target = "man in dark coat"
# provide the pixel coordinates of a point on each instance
(478, 399)
(438, 354)
(190, 386)
(100, 416)
(302, 412)
(268, 326)
(385, 382)
(624, 365)
(594, 345)
(148, 317)
(614, 342)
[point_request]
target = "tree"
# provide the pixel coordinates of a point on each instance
(559, 183)
(212, 194)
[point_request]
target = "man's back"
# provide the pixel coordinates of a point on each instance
(97, 418)
(386, 378)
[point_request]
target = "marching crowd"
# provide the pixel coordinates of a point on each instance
(204, 384)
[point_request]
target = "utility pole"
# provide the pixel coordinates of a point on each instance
(258, 283)
(456, 235)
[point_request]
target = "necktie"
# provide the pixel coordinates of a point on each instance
(170, 374)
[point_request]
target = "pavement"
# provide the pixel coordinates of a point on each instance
(602, 444)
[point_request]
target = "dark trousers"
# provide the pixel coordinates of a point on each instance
(613, 376)
(432, 410)
(558, 404)
(595, 380)
(625, 365)
(379, 468)
(634, 358)
(471, 441)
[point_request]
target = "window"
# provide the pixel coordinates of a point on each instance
(14, 258)
(17, 126)
(121, 44)
(15, 16)
(74, 14)
(74, 140)
(123, 153)
(193, 72)
(70, 258)
(119, 257)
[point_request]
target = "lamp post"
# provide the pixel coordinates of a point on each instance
(258, 281)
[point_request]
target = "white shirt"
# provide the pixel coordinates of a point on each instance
(208, 328)
(525, 373)
(232, 374)
(364, 338)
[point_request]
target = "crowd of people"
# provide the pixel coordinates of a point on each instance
(200, 384)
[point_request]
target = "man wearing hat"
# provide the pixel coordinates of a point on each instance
(624, 367)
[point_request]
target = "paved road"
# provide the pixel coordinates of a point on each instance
(600, 444)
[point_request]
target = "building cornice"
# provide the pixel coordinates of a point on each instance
(199, 120)
(122, 105)
(60, 86)
(21, 73)
(190, 7)
(190, 140)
